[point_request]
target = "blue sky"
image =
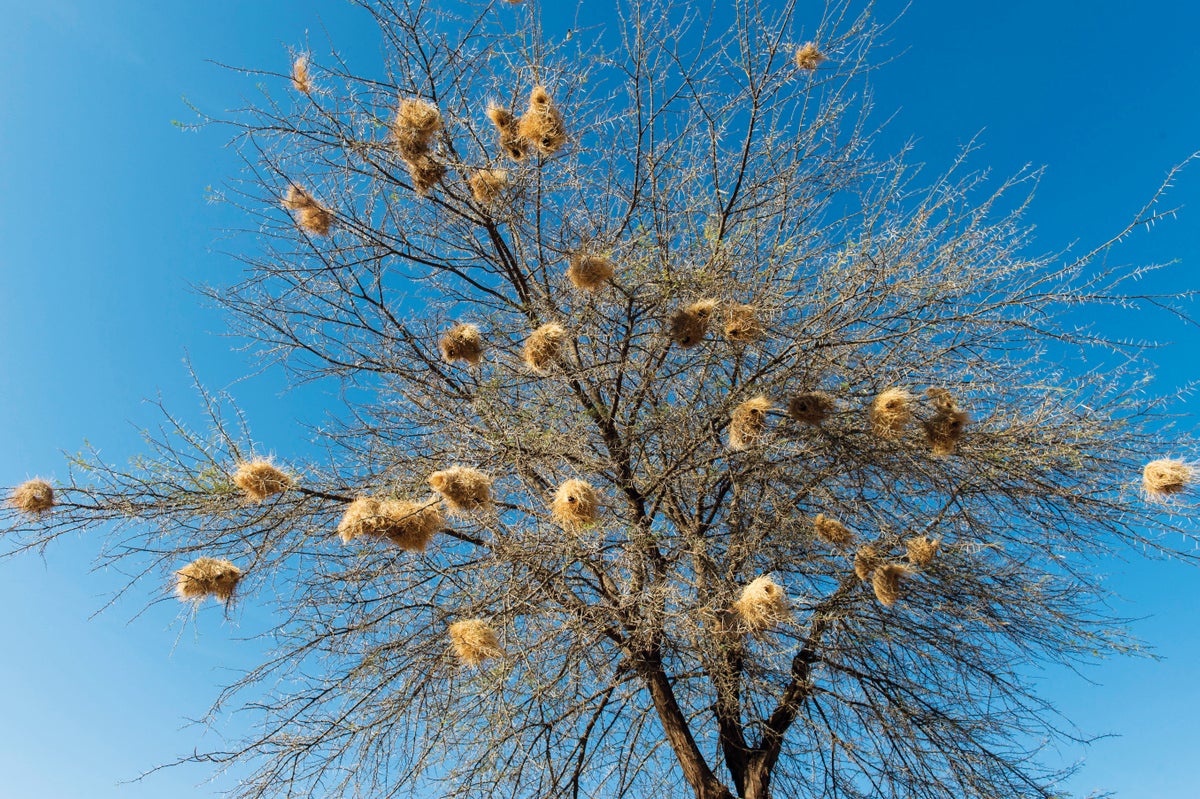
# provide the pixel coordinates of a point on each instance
(104, 223)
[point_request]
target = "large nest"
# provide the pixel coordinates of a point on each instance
(510, 137)
(408, 525)
(762, 605)
(474, 641)
(463, 489)
(34, 496)
(463, 342)
(742, 325)
(890, 412)
(488, 185)
(811, 407)
(748, 424)
(259, 479)
(589, 272)
(921, 550)
(575, 504)
(416, 124)
(544, 346)
(542, 124)
(831, 531)
(1164, 478)
(689, 324)
(205, 577)
(310, 215)
(886, 582)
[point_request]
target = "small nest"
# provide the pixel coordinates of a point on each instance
(544, 347)
(866, 559)
(542, 124)
(945, 430)
(300, 78)
(762, 605)
(575, 504)
(474, 641)
(408, 525)
(463, 342)
(416, 123)
(34, 497)
(488, 185)
(259, 479)
(310, 215)
(511, 142)
(886, 583)
(889, 412)
(941, 400)
(205, 577)
(811, 407)
(426, 172)
(831, 531)
(742, 325)
(1164, 478)
(748, 424)
(688, 325)
(464, 489)
(921, 550)
(589, 272)
(809, 57)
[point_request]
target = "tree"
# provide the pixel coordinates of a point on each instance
(774, 483)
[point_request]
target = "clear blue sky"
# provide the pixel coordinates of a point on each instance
(104, 223)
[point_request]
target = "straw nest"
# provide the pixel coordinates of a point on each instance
(408, 525)
(542, 124)
(575, 504)
(544, 346)
(866, 559)
(488, 185)
(463, 342)
(921, 550)
(33, 496)
(259, 479)
(416, 123)
(810, 407)
(688, 325)
(809, 57)
(1164, 478)
(945, 430)
(762, 605)
(890, 412)
(205, 577)
(886, 582)
(748, 423)
(300, 78)
(742, 325)
(831, 531)
(589, 272)
(310, 215)
(462, 488)
(511, 142)
(474, 641)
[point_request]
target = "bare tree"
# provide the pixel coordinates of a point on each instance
(778, 472)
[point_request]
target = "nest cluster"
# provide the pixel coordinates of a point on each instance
(408, 525)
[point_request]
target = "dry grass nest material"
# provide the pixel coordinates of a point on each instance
(408, 525)
(690, 324)
(488, 185)
(762, 605)
(544, 346)
(890, 412)
(1164, 478)
(810, 407)
(748, 424)
(922, 550)
(259, 479)
(946, 427)
(809, 57)
(474, 641)
(309, 214)
(575, 504)
(34, 496)
(886, 582)
(589, 272)
(511, 142)
(463, 342)
(742, 325)
(205, 577)
(300, 77)
(831, 531)
(463, 489)
(542, 123)
(416, 123)
(866, 559)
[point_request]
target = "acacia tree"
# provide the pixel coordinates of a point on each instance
(773, 480)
